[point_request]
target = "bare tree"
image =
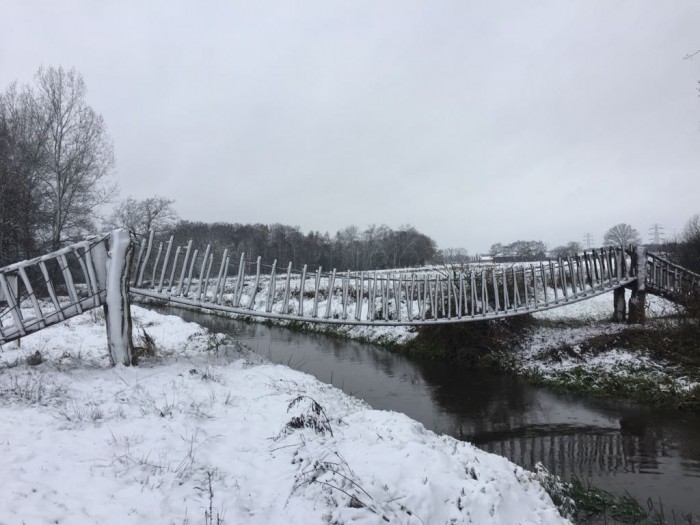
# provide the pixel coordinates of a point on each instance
(154, 213)
(77, 154)
(621, 235)
(20, 212)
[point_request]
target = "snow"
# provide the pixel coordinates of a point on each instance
(576, 323)
(206, 425)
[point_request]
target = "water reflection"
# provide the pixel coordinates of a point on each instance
(619, 446)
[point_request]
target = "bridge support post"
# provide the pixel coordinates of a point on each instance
(117, 308)
(637, 304)
(619, 306)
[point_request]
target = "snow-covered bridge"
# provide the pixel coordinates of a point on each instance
(106, 270)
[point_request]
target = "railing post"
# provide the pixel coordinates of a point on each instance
(117, 309)
(637, 303)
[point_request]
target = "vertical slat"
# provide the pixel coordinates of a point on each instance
(137, 266)
(240, 279)
(86, 275)
(359, 295)
(329, 295)
(52, 292)
(172, 271)
(384, 286)
(302, 288)
(460, 301)
(424, 298)
(155, 265)
(449, 295)
(223, 282)
(189, 274)
(35, 304)
(484, 292)
(516, 291)
(496, 298)
(70, 286)
(572, 276)
(564, 284)
(535, 295)
(372, 297)
(202, 270)
(398, 283)
(93, 285)
(269, 299)
(314, 311)
(203, 287)
(287, 287)
(346, 286)
(223, 266)
(504, 286)
(13, 304)
(165, 264)
(543, 275)
(184, 269)
(409, 297)
(251, 303)
(472, 279)
(145, 259)
(553, 274)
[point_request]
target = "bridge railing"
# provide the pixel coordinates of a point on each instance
(671, 280)
(49, 289)
(191, 276)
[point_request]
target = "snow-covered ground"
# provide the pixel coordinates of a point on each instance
(206, 430)
(540, 350)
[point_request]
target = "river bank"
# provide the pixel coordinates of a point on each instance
(574, 348)
(204, 429)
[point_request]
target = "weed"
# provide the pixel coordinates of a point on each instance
(146, 347)
(76, 413)
(209, 518)
(314, 417)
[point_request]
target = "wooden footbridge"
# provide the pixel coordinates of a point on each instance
(109, 270)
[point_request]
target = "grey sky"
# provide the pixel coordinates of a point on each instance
(476, 122)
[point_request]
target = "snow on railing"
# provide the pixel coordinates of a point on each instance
(46, 290)
(669, 279)
(186, 276)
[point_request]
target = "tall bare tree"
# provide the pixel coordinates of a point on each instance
(154, 213)
(621, 235)
(77, 154)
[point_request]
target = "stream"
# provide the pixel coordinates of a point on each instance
(619, 446)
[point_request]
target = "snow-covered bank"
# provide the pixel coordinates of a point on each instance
(557, 351)
(206, 426)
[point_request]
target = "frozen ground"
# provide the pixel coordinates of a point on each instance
(206, 430)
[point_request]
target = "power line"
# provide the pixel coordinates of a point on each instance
(588, 241)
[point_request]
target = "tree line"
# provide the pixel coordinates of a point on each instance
(375, 247)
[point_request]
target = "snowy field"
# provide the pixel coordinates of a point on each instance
(206, 431)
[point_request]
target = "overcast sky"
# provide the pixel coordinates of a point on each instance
(475, 122)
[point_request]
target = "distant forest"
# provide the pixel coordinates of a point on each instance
(376, 247)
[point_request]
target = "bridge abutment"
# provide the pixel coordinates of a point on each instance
(619, 306)
(637, 303)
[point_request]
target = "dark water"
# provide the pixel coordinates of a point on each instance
(619, 446)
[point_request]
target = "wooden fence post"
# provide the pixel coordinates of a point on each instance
(117, 308)
(637, 303)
